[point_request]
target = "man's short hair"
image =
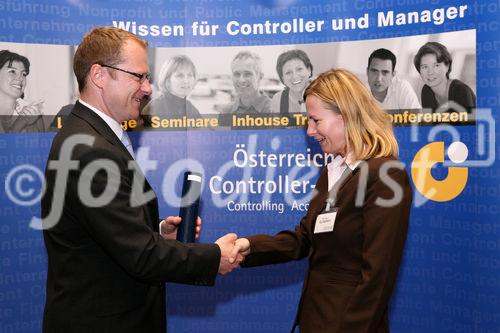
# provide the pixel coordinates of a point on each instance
(102, 45)
(244, 55)
(383, 54)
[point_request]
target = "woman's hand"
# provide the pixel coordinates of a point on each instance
(31, 110)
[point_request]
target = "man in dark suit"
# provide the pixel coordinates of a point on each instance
(107, 262)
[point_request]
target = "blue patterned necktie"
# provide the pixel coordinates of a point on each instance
(127, 143)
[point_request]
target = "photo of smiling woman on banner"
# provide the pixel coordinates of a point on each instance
(295, 70)
(17, 115)
(433, 62)
(176, 80)
(355, 228)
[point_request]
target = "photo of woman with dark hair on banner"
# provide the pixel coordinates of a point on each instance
(294, 69)
(17, 115)
(433, 61)
(176, 81)
(355, 228)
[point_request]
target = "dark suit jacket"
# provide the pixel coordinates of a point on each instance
(107, 264)
(352, 270)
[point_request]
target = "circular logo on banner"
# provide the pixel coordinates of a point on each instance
(447, 188)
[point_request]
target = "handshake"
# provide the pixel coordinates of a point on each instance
(233, 251)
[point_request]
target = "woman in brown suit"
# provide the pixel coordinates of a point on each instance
(355, 229)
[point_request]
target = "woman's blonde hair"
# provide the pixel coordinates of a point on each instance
(368, 128)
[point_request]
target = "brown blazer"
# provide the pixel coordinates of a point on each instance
(353, 269)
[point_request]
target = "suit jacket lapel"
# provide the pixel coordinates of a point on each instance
(100, 126)
(348, 176)
(351, 176)
(89, 116)
(319, 198)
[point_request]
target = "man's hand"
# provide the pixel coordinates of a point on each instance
(240, 250)
(168, 227)
(226, 245)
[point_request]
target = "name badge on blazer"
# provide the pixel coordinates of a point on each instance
(326, 221)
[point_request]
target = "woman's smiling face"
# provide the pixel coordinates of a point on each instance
(296, 75)
(325, 126)
(432, 72)
(13, 79)
(182, 81)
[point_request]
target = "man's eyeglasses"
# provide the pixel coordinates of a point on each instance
(141, 77)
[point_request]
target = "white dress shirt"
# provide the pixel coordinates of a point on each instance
(337, 167)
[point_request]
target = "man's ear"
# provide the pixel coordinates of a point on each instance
(96, 75)
(393, 73)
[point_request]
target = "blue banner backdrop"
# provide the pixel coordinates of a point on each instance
(450, 276)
